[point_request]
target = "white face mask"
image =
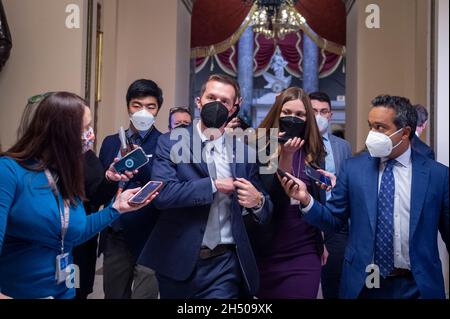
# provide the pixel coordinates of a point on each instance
(322, 123)
(379, 144)
(142, 120)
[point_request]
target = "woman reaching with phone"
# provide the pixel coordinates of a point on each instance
(41, 211)
(290, 261)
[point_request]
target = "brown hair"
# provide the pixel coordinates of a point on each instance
(53, 138)
(225, 79)
(314, 147)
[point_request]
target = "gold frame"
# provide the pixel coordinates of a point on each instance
(98, 67)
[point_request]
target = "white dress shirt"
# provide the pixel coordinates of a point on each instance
(402, 206)
(221, 202)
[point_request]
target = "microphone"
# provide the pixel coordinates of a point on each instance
(123, 141)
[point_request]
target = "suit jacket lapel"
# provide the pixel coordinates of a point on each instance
(335, 150)
(371, 190)
(231, 152)
(419, 185)
(197, 149)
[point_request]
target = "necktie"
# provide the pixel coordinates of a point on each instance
(212, 232)
(384, 247)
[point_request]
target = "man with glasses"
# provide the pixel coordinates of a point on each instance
(179, 116)
(337, 150)
(122, 243)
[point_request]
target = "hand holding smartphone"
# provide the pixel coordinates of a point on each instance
(318, 177)
(284, 174)
(144, 193)
(132, 161)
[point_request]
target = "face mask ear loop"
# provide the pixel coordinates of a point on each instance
(395, 134)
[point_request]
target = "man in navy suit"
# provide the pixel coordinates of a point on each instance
(338, 150)
(122, 243)
(199, 247)
(417, 144)
(396, 200)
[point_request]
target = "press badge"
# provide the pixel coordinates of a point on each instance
(295, 201)
(62, 261)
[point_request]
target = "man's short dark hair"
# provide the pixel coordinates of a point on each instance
(422, 114)
(144, 88)
(405, 114)
(320, 96)
(178, 109)
(225, 79)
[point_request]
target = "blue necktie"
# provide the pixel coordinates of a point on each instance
(384, 241)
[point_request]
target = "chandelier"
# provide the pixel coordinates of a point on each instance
(276, 18)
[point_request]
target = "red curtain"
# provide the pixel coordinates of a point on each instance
(291, 48)
(214, 21)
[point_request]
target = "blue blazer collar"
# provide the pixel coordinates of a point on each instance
(371, 190)
(419, 185)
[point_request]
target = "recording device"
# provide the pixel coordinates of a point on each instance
(284, 174)
(242, 123)
(132, 161)
(316, 176)
(148, 190)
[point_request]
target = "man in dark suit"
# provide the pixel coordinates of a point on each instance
(396, 200)
(199, 247)
(337, 150)
(416, 143)
(122, 243)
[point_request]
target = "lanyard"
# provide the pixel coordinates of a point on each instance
(64, 217)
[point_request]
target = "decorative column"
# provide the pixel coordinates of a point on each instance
(245, 72)
(310, 64)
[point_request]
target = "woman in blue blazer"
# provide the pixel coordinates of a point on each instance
(41, 213)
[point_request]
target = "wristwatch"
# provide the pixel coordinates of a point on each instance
(260, 203)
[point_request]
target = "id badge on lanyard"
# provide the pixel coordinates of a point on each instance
(62, 260)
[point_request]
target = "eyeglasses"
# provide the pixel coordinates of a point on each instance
(38, 98)
(322, 111)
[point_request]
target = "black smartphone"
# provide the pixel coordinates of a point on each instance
(145, 192)
(283, 174)
(316, 176)
(133, 160)
(243, 124)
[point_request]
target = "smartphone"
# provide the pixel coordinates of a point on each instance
(243, 124)
(148, 190)
(133, 160)
(283, 174)
(316, 176)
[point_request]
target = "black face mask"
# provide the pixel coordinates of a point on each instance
(293, 126)
(214, 114)
(182, 126)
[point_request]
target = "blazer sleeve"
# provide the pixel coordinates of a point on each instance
(98, 190)
(264, 216)
(335, 213)
(444, 220)
(176, 193)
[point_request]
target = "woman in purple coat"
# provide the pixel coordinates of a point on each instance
(289, 252)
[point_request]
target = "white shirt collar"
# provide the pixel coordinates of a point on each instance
(217, 142)
(404, 159)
